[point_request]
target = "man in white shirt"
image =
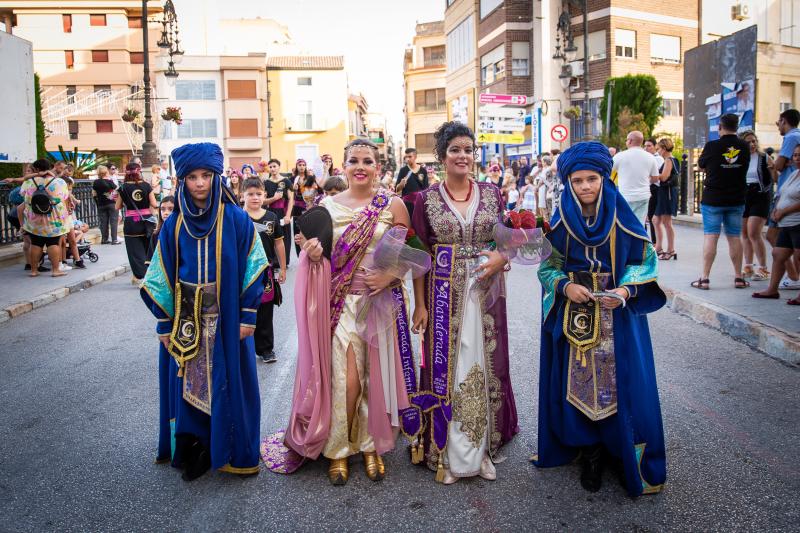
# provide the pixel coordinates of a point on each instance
(166, 179)
(636, 170)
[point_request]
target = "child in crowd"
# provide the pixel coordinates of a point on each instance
(267, 226)
(165, 208)
(334, 185)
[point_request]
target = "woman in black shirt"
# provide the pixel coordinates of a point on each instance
(137, 197)
(104, 191)
(280, 200)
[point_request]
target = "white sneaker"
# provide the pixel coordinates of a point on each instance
(788, 284)
(65, 267)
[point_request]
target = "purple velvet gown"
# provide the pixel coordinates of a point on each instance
(470, 409)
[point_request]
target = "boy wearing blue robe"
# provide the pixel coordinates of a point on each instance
(204, 286)
(598, 397)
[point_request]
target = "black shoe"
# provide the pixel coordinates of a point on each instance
(269, 357)
(105, 242)
(27, 266)
(592, 468)
(78, 264)
(198, 461)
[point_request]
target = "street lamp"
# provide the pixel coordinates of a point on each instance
(570, 52)
(169, 41)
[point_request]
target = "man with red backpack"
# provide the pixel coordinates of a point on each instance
(45, 215)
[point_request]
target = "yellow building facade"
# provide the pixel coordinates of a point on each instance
(308, 108)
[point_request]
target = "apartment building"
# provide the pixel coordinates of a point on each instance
(357, 108)
(425, 80)
(89, 57)
(308, 105)
(778, 55)
(634, 37)
(460, 27)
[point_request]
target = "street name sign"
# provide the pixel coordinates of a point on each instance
(489, 125)
(501, 138)
(506, 99)
(501, 112)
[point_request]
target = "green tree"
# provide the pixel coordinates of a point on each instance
(639, 93)
(627, 122)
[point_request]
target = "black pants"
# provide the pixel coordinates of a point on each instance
(264, 336)
(108, 215)
(137, 254)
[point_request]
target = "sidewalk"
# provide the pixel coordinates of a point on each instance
(771, 326)
(21, 293)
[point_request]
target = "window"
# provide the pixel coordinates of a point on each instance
(197, 128)
(461, 44)
(672, 108)
(597, 45)
(195, 90)
(73, 129)
(790, 23)
(66, 20)
(493, 66)
(520, 58)
(304, 116)
(134, 22)
(625, 43)
(238, 89)
(430, 100)
(97, 20)
(69, 58)
(665, 48)
(137, 58)
(166, 130)
(104, 126)
(71, 90)
(99, 56)
(424, 142)
(595, 124)
(243, 127)
(434, 56)
(487, 6)
(305, 81)
(102, 88)
(787, 96)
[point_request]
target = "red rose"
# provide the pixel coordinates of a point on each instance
(514, 220)
(527, 220)
(410, 234)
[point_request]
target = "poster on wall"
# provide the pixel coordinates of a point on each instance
(719, 78)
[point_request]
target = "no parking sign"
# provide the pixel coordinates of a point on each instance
(559, 133)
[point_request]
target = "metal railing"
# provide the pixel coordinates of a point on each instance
(85, 211)
(699, 177)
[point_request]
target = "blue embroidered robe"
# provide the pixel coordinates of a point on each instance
(634, 434)
(232, 256)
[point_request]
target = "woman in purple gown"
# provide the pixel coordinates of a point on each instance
(465, 388)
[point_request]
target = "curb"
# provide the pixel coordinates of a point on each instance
(26, 306)
(764, 338)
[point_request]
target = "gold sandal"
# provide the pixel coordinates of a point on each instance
(373, 464)
(338, 471)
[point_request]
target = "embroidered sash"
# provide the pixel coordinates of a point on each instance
(582, 321)
(350, 249)
(437, 400)
(411, 417)
(592, 374)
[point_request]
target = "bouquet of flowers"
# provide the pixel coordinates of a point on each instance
(521, 239)
(172, 114)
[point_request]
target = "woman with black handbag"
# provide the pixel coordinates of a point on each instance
(666, 200)
(138, 199)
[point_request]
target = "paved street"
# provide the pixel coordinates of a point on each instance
(79, 397)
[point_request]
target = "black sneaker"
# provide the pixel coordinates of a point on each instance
(43, 268)
(269, 357)
(27, 266)
(592, 468)
(78, 264)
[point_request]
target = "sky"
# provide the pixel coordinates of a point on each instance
(371, 35)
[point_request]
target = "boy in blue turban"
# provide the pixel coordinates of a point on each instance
(204, 287)
(597, 384)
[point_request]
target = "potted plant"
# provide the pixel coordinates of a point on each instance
(172, 114)
(130, 115)
(573, 112)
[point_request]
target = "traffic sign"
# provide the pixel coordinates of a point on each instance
(559, 133)
(501, 125)
(512, 99)
(500, 138)
(501, 112)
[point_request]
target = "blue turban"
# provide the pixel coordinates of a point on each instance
(591, 155)
(611, 206)
(190, 157)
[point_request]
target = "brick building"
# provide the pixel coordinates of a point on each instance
(634, 37)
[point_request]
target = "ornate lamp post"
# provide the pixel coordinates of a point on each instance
(567, 55)
(169, 40)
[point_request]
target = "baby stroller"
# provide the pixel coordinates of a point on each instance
(85, 251)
